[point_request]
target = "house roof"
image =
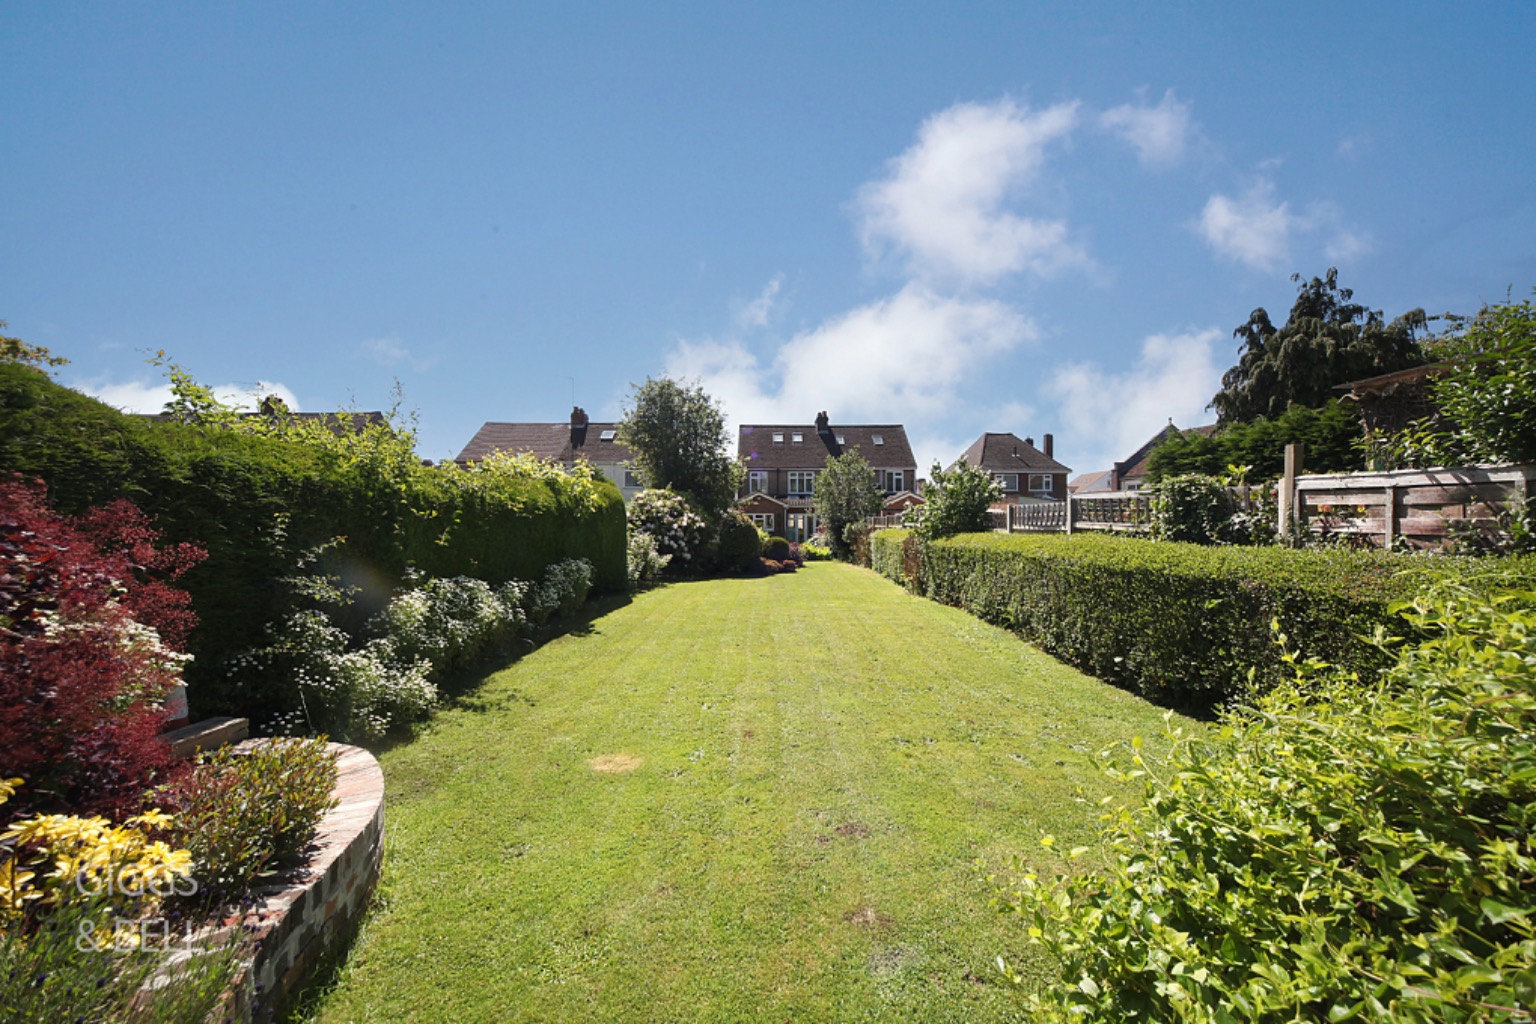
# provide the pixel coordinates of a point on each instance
(1089, 482)
(547, 441)
(1005, 453)
(1136, 465)
(758, 449)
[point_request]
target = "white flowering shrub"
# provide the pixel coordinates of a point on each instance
(679, 532)
(450, 622)
(563, 590)
(356, 694)
(645, 562)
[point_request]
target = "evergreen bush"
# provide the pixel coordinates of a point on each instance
(255, 501)
(1346, 851)
(1182, 624)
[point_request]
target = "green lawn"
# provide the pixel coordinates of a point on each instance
(733, 800)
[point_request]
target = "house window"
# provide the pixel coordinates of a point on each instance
(797, 437)
(798, 526)
(778, 437)
(1009, 482)
(841, 440)
(762, 520)
(632, 479)
(878, 439)
(607, 435)
(802, 483)
(1042, 483)
(757, 481)
(891, 480)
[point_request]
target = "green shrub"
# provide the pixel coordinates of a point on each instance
(777, 549)
(885, 554)
(254, 502)
(1178, 623)
(644, 562)
(241, 811)
(1193, 508)
(738, 546)
(954, 502)
(561, 592)
(45, 975)
(1345, 851)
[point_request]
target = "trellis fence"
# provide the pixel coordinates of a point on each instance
(1419, 508)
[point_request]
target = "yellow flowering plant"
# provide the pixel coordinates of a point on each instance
(46, 859)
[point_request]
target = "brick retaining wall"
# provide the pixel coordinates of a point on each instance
(310, 910)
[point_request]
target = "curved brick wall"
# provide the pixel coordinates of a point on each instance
(306, 912)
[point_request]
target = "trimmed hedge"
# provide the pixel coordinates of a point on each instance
(256, 502)
(1182, 624)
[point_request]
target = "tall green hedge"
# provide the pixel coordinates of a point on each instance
(1181, 624)
(255, 502)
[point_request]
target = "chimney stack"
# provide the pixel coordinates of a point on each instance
(578, 427)
(1029, 441)
(822, 423)
(1050, 446)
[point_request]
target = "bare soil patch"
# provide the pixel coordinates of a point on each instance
(616, 763)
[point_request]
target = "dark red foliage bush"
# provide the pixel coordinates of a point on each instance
(82, 669)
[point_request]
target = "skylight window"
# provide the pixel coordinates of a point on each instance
(607, 435)
(841, 439)
(778, 437)
(878, 439)
(798, 437)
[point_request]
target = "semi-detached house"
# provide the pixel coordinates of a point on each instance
(783, 461)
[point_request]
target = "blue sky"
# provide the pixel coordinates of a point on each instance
(964, 217)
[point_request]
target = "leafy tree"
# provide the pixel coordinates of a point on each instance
(955, 502)
(677, 435)
(846, 495)
(1327, 340)
(1331, 433)
(14, 350)
(1489, 389)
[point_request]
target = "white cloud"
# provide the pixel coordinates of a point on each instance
(1107, 416)
(146, 396)
(1158, 134)
(1254, 230)
(392, 352)
(902, 359)
(759, 311)
(941, 205)
(1348, 243)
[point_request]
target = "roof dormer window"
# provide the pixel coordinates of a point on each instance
(778, 437)
(878, 438)
(841, 440)
(798, 437)
(607, 435)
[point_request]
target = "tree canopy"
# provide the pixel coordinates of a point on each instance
(955, 502)
(846, 494)
(1327, 340)
(677, 435)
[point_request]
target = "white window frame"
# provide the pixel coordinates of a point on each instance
(778, 437)
(757, 481)
(797, 437)
(762, 520)
(1009, 482)
(802, 483)
(891, 481)
(632, 479)
(1042, 483)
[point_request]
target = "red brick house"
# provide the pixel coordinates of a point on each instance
(1025, 472)
(783, 461)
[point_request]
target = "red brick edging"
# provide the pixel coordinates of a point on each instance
(307, 911)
